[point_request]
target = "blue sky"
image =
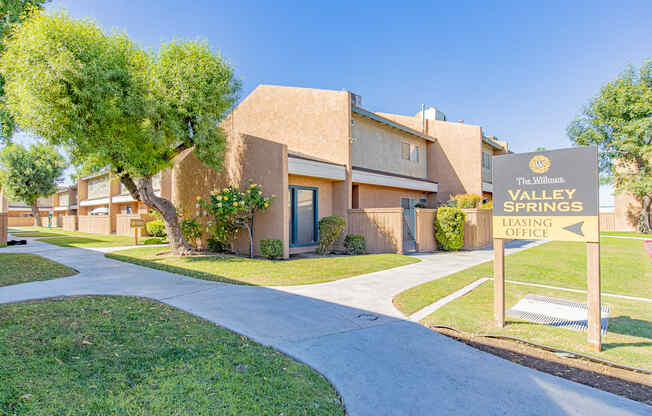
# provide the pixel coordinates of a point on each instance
(522, 71)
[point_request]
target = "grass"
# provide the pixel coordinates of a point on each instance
(21, 268)
(62, 238)
(121, 355)
(625, 234)
(240, 270)
(628, 339)
(626, 270)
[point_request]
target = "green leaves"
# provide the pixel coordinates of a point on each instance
(619, 121)
(109, 102)
(28, 174)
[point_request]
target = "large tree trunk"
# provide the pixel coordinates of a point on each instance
(141, 189)
(644, 216)
(37, 214)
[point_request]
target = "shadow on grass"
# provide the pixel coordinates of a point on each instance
(155, 264)
(625, 325)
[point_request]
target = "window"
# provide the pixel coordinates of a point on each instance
(486, 161)
(410, 151)
(98, 187)
(303, 216)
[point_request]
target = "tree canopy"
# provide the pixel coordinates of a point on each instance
(619, 121)
(12, 12)
(29, 174)
(111, 103)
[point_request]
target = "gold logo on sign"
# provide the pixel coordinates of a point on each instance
(539, 164)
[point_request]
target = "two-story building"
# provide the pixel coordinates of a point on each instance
(319, 153)
(461, 155)
(20, 213)
(64, 203)
(105, 206)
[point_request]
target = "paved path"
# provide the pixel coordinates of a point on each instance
(375, 291)
(380, 365)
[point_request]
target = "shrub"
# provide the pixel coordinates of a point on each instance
(355, 244)
(488, 205)
(156, 228)
(191, 230)
(155, 240)
(467, 200)
(216, 246)
(271, 248)
(449, 228)
(330, 229)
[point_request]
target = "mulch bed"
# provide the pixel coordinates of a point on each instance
(631, 384)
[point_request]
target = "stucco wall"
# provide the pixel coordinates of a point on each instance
(372, 196)
(377, 147)
(247, 159)
(455, 160)
(309, 121)
(626, 212)
(325, 193)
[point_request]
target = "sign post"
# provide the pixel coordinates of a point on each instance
(549, 195)
(136, 224)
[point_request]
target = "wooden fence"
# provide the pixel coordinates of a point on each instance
(425, 232)
(382, 228)
(96, 224)
(607, 221)
(70, 222)
(20, 221)
(123, 220)
(4, 226)
(478, 231)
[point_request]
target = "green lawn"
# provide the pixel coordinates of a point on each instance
(628, 340)
(622, 234)
(21, 268)
(59, 237)
(626, 270)
(240, 270)
(120, 355)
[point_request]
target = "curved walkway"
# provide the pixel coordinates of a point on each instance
(379, 364)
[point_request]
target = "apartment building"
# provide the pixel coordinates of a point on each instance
(64, 203)
(105, 206)
(461, 156)
(20, 214)
(319, 153)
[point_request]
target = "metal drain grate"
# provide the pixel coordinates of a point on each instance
(556, 312)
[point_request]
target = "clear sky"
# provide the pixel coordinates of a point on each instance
(521, 70)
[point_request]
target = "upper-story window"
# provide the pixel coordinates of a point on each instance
(98, 187)
(64, 199)
(410, 151)
(486, 161)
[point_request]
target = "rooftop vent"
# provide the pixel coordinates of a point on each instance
(356, 100)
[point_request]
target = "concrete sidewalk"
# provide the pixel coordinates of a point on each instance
(375, 291)
(379, 364)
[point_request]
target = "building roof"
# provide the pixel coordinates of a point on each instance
(390, 123)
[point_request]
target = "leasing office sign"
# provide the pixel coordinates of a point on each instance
(550, 195)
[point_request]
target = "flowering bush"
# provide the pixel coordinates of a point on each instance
(467, 200)
(233, 209)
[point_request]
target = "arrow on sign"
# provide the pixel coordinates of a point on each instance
(576, 228)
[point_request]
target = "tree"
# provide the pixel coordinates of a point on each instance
(619, 122)
(12, 12)
(29, 174)
(237, 208)
(110, 103)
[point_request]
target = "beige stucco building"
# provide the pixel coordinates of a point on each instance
(319, 153)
